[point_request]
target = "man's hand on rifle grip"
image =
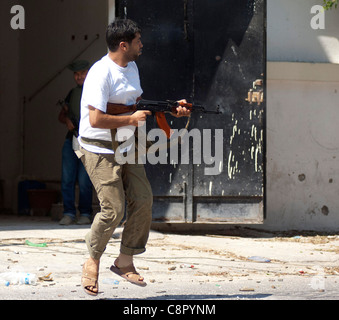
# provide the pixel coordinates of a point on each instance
(139, 117)
(181, 111)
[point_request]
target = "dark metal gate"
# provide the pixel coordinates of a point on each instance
(212, 53)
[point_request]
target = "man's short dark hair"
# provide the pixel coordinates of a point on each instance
(121, 30)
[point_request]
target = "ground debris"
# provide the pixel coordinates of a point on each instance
(246, 289)
(46, 277)
(332, 270)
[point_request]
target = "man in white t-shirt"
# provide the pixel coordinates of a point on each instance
(115, 79)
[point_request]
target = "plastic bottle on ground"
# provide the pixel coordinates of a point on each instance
(12, 278)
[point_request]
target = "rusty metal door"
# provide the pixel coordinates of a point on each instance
(211, 53)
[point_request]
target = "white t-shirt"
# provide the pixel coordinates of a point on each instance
(107, 82)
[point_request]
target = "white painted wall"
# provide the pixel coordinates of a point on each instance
(290, 36)
(302, 118)
(302, 146)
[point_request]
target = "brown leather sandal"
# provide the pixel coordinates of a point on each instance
(89, 281)
(130, 274)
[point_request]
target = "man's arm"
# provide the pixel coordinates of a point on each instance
(99, 119)
(63, 118)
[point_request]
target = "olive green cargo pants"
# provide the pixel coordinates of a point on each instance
(114, 183)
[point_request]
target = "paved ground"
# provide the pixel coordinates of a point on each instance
(176, 267)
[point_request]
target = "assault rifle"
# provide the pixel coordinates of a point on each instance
(70, 115)
(159, 108)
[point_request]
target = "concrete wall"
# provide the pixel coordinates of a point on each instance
(302, 118)
(302, 146)
(290, 36)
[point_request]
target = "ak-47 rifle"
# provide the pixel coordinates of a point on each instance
(75, 131)
(159, 108)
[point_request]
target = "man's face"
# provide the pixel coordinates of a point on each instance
(134, 49)
(80, 77)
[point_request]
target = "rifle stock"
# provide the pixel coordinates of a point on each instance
(116, 109)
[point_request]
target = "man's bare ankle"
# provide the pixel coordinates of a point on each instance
(123, 261)
(92, 262)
